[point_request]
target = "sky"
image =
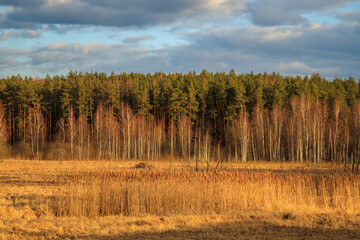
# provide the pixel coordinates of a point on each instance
(292, 37)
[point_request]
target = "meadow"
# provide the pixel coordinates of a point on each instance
(114, 199)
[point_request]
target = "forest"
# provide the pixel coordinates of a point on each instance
(204, 117)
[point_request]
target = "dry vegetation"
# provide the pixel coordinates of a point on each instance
(105, 199)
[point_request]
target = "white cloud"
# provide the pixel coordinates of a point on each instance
(59, 2)
(303, 69)
(30, 34)
(4, 36)
(22, 34)
(57, 45)
(224, 6)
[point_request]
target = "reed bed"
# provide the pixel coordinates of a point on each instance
(179, 192)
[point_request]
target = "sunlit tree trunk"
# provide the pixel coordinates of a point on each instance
(3, 132)
(40, 127)
(241, 132)
(258, 131)
(71, 131)
(126, 123)
(98, 127)
(172, 137)
(275, 129)
(336, 112)
(207, 149)
(355, 134)
(31, 129)
(82, 133)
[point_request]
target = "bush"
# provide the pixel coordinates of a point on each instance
(56, 151)
(22, 150)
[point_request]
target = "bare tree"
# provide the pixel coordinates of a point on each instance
(241, 131)
(36, 128)
(297, 123)
(82, 127)
(185, 136)
(207, 149)
(318, 119)
(275, 131)
(40, 127)
(355, 135)
(172, 137)
(71, 131)
(126, 123)
(159, 137)
(61, 136)
(141, 135)
(3, 132)
(258, 133)
(31, 129)
(334, 131)
(98, 127)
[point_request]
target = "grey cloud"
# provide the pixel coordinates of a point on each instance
(155, 6)
(137, 39)
(330, 50)
(314, 40)
(63, 29)
(280, 12)
(22, 3)
(121, 13)
(95, 56)
(6, 23)
(13, 53)
(7, 63)
(60, 57)
(353, 16)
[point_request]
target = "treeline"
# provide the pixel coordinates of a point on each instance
(221, 116)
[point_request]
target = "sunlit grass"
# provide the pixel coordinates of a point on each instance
(43, 191)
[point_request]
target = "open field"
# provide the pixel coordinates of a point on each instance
(112, 199)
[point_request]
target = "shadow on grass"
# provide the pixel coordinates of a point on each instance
(235, 230)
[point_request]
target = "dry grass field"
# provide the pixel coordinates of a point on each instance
(115, 200)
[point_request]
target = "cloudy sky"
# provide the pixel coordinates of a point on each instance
(291, 37)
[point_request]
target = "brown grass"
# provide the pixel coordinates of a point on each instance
(48, 199)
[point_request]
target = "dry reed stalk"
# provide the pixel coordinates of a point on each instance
(162, 192)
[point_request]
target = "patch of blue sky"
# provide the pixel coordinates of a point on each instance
(82, 35)
(17, 42)
(243, 20)
(351, 6)
(330, 17)
(108, 35)
(161, 36)
(324, 18)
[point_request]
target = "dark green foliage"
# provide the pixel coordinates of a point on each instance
(211, 102)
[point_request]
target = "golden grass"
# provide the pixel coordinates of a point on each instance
(254, 225)
(86, 199)
(163, 192)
